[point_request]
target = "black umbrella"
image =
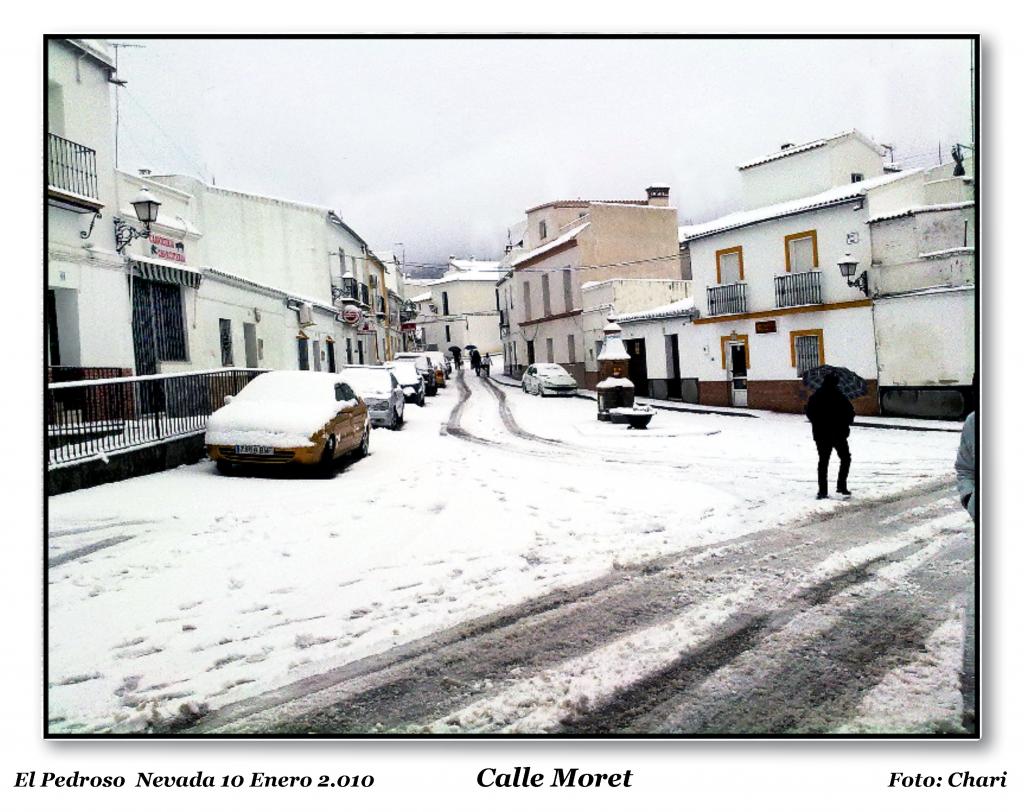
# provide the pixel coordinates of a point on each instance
(850, 383)
(471, 346)
(454, 349)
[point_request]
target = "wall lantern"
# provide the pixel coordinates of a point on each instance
(848, 267)
(146, 206)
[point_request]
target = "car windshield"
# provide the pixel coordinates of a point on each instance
(550, 369)
(289, 387)
(368, 380)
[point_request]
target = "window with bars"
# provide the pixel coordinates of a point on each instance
(807, 353)
(227, 355)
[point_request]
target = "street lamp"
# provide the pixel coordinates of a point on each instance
(848, 267)
(146, 207)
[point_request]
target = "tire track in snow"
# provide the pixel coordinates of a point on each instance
(413, 685)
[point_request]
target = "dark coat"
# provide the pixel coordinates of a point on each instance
(474, 359)
(830, 413)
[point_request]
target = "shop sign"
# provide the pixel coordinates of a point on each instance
(765, 326)
(163, 247)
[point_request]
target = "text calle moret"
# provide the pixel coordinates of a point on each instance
(573, 777)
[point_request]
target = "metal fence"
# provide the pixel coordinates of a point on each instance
(87, 419)
(71, 167)
(727, 299)
(798, 289)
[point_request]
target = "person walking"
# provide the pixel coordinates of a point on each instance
(474, 361)
(456, 356)
(485, 364)
(965, 466)
(831, 415)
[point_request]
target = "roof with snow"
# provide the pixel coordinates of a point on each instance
(553, 245)
(680, 307)
(831, 197)
(806, 147)
(573, 204)
(894, 215)
(423, 297)
(474, 264)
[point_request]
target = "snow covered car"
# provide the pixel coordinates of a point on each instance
(425, 367)
(380, 391)
(548, 379)
(308, 418)
(438, 359)
(410, 380)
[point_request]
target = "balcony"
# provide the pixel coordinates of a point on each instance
(724, 299)
(796, 289)
(71, 174)
(364, 294)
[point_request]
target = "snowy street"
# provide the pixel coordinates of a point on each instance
(506, 563)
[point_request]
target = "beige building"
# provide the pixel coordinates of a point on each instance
(569, 243)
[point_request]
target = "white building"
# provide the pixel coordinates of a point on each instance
(922, 280)
(87, 280)
(279, 279)
(767, 283)
(460, 308)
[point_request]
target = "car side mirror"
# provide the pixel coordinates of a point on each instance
(228, 399)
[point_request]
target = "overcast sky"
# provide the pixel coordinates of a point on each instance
(441, 145)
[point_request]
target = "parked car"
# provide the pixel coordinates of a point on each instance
(548, 379)
(409, 378)
(307, 418)
(440, 361)
(381, 392)
(425, 367)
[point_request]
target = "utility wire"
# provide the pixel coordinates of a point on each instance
(181, 150)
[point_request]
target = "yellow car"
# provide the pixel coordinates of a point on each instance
(308, 418)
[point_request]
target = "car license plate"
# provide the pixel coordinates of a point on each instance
(262, 450)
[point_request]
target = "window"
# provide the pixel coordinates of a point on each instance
(444, 302)
(303, 349)
(526, 301)
(567, 288)
(856, 177)
(806, 349)
(729, 262)
(448, 332)
(549, 345)
(359, 350)
(342, 391)
(572, 349)
(227, 357)
(543, 229)
(801, 251)
(545, 294)
(348, 351)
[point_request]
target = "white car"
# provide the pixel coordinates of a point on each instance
(380, 390)
(548, 379)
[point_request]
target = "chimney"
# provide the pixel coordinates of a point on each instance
(657, 195)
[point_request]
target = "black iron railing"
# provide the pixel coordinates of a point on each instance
(798, 289)
(71, 167)
(364, 294)
(88, 419)
(730, 298)
(348, 289)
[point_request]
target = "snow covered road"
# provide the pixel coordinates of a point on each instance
(277, 602)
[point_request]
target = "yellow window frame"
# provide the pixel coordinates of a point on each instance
(802, 235)
(795, 334)
(736, 249)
